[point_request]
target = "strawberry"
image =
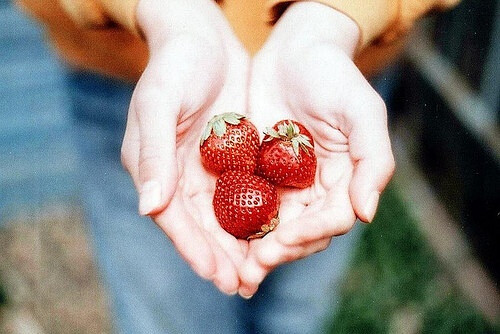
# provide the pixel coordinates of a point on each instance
(286, 156)
(229, 142)
(245, 205)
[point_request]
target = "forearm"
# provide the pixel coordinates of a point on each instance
(159, 20)
(324, 25)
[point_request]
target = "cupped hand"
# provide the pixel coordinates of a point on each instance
(305, 72)
(197, 68)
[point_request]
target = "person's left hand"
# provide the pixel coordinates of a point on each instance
(305, 72)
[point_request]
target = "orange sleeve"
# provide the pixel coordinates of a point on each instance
(378, 20)
(114, 52)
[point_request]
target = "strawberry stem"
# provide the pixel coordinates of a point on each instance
(266, 228)
(217, 124)
(290, 132)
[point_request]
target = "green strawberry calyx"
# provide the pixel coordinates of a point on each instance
(218, 124)
(290, 132)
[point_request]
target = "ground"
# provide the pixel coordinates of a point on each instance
(395, 283)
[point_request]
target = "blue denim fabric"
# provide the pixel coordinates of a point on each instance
(151, 288)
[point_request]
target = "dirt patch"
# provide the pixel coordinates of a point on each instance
(48, 277)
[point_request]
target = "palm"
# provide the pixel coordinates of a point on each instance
(330, 189)
(329, 192)
(328, 196)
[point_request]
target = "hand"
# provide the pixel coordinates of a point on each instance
(197, 68)
(305, 72)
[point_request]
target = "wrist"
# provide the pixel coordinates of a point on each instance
(309, 22)
(161, 20)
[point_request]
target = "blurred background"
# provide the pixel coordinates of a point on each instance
(429, 262)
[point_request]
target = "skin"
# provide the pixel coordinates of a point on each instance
(197, 68)
(305, 72)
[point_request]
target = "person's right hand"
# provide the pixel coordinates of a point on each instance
(197, 68)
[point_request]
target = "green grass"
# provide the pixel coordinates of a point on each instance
(396, 284)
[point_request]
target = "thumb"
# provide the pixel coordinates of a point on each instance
(371, 152)
(158, 175)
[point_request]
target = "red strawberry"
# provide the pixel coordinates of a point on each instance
(286, 156)
(230, 142)
(245, 205)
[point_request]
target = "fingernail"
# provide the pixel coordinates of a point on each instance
(150, 197)
(371, 206)
(245, 297)
(232, 293)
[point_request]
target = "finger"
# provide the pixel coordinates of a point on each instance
(244, 245)
(226, 277)
(188, 238)
(229, 244)
(271, 253)
(371, 153)
(268, 255)
(329, 214)
(317, 225)
(251, 275)
(227, 250)
(252, 272)
(131, 146)
(156, 113)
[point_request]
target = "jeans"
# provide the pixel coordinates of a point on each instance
(152, 290)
